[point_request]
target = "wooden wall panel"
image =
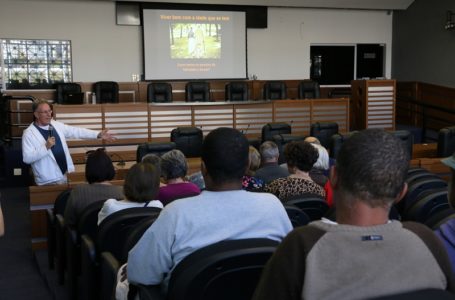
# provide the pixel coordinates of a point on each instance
(129, 122)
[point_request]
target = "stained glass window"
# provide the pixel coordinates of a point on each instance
(34, 63)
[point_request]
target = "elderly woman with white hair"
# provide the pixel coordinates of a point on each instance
(321, 166)
(173, 171)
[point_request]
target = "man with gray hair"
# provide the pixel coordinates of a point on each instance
(270, 170)
(363, 254)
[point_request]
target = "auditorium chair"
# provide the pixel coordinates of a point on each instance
(197, 91)
(87, 226)
(113, 231)
(236, 91)
(314, 206)
(188, 140)
(159, 92)
(275, 90)
(309, 89)
(271, 129)
(109, 264)
(157, 148)
(323, 131)
(51, 222)
(427, 204)
(68, 93)
(336, 141)
(297, 216)
(225, 270)
(446, 141)
(106, 91)
(406, 137)
(417, 187)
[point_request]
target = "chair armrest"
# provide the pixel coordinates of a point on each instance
(109, 269)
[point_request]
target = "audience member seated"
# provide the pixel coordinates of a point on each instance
(155, 160)
(321, 166)
(98, 172)
(315, 140)
(141, 186)
(446, 231)
(249, 181)
(173, 171)
(300, 158)
(374, 256)
(222, 212)
(270, 170)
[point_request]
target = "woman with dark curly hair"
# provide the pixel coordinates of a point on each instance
(300, 157)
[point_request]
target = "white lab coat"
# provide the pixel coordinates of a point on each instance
(41, 159)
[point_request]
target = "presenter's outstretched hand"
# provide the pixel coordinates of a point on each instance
(106, 135)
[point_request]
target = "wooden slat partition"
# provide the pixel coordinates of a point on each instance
(249, 118)
(210, 117)
(129, 122)
(135, 123)
(164, 118)
(86, 115)
(297, 113)
(335, 110)
(373, 104)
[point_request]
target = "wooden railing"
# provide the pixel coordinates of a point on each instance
(426, 106)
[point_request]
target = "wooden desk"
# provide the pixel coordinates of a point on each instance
(42, 198)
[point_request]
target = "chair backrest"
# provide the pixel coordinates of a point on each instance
(188, 140)
(419, 186)
(197, 91)
(135, 234)
(106, 91)
(406, 137)
(115, 228)
(427, 204)
(336, 141)
(297, 216)
(88, 222)
(68, 93)
(309, 89)
(275, 90)
(446, 141)
(60, 202)
(271, 129)
(157, 148)
(159, 92)
(236, 91)
(324, 131)
(314, 206)
(225, 270)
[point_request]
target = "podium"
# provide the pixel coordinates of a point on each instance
(373, 104)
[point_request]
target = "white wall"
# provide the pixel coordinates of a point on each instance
(282, 51)
(104, 51)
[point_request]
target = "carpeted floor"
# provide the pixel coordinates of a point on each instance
(20, 277)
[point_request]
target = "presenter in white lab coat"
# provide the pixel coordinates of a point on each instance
(44, 145)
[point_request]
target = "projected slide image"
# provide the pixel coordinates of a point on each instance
(195, 40)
